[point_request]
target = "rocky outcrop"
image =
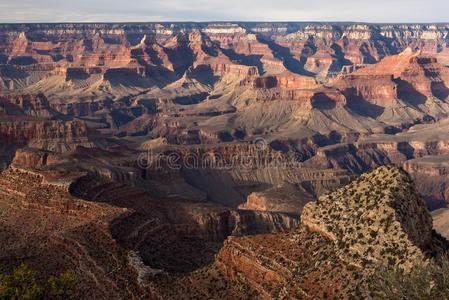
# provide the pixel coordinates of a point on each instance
(409, 75)
(376, 220)
(440, 221)
(45, 227)
(33, 158)
(287, 199)
(431, 176)
(285, 81)
(375, 210)
(30, 105)
(57, 136)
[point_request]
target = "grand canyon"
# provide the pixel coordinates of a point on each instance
(223, 160)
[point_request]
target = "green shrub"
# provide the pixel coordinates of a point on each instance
(21, 284)
(425, 281)
(26, 284)
(62, 287)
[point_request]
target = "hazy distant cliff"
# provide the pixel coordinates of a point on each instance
(305, 29)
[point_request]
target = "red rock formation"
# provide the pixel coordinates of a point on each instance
(408, 76)
(431, 174)
(287, 199)
(76, 108)
(53, 135)
(31, 158)
(369, 87)
(31, 105)
(285, 80)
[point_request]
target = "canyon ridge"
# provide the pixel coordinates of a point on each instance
(223, 160)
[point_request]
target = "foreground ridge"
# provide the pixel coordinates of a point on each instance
(378, 218)
(376, 221)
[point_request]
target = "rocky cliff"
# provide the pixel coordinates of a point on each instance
(215, 82)
(56, 136)
(96, 217)
(376, 220)
(80, 55)
(42, 225)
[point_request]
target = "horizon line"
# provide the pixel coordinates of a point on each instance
(229, 21)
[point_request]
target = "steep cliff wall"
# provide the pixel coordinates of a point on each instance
(56, 136)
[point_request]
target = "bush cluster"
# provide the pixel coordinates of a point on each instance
(25, 283)
(425, 281)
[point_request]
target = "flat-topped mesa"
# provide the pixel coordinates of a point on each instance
(35, 159)
(377, 219)
(327, 98)
(223, 68)
(374, 88)
(80, 108)
(284, 199)
(288, 86)
(285, 80)
(225, 28)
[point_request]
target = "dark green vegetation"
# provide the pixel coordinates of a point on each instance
(428, 280)
(25, 283)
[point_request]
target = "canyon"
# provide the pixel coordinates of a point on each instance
(150, 156)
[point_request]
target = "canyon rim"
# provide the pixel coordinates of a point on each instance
(222, 160)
